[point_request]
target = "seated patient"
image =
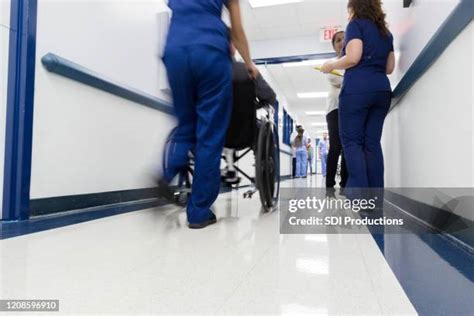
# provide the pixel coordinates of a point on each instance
(265, 96)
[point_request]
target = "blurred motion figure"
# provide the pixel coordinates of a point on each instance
(199, 68)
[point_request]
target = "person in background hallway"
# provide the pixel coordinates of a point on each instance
(300, 143)
(199, 68)
(293, 151)
(332, 118)
(310, 150)
(366, 93)
(265, 95)
(323, 153)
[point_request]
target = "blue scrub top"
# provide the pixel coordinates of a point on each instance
(198, 22)
(370, 74)
(323, 146)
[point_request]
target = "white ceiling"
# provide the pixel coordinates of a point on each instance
(291, 20)
(274, 26)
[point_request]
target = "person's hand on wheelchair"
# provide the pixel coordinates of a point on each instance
(253, 71)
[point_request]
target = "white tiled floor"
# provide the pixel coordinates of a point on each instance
(150, 262)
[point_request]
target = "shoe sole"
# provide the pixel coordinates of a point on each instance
(203, 224)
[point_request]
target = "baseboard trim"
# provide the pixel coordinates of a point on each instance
(455, 228)
(51, 205)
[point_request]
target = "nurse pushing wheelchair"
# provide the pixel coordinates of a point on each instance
(251, 131)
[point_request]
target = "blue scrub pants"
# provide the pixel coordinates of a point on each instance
(200, 78)
(361, 118)
(324, 163)
(301, 161)
(310, 165)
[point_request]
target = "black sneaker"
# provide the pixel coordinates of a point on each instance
(331, 193)
(342, 191)
(210, 221)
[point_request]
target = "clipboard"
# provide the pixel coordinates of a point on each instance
(334, 72)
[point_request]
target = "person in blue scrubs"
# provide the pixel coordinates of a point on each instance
(199, 67)
(300, 144)
(366, 92)
(323, 153)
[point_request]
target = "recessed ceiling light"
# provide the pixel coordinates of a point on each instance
(306, 63)
(313, 95)
(316, 113)
(319, 124)
(267, 3)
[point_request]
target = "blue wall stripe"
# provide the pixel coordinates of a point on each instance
(434, 271)
(68, 69)
(452, 26)
(41, 223)
(286, 152)
(58, 204)
(292, 59)
(37, 224)
(19, 117)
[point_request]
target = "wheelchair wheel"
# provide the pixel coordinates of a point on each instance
(268, 165)
(185, 177)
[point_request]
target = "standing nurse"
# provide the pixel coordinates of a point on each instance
(366, 93)
(199, 68)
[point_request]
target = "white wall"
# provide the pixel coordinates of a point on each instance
(5, 13)
(85, 140)
(4, 39)
(428, 136)
(118, 38)
(413, 27)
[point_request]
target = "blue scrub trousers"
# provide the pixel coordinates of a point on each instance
(200, 78)
(324, 163)
(361, 119)
(310, 165)
(301, 161)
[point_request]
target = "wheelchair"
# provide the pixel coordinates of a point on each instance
(247, 133)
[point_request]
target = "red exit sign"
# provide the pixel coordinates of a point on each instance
(327, 33)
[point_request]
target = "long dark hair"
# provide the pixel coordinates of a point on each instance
(299, 138)
(370, 10)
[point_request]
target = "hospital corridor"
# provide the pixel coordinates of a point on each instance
(236, 157)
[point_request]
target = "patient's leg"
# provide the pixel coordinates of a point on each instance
(229, 158)
(230, 174)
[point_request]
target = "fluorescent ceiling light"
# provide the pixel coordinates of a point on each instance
(313, 95)
(267, 3)
(306, 63)
(319, 124)
(316, 113)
